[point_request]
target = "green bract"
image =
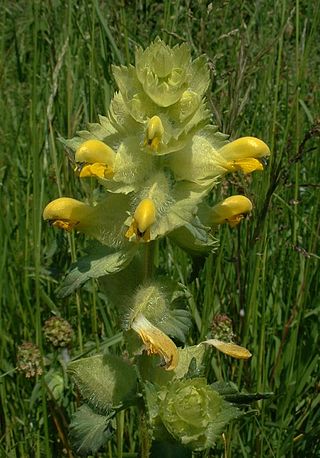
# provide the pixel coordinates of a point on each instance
(194, 413)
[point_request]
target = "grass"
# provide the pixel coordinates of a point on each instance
(55, 76)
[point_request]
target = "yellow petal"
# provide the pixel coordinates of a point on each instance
(230, 210)
(156, 341)
(66, 213)
(247, 165)
(229, 348)
(243, 148)
(92, 151)
(97, 170)
(144, 216)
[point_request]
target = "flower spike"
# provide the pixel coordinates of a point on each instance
(95, 158)
(156, 341)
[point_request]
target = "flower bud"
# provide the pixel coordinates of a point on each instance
(154, 133)
(194, 413)
(144, 216)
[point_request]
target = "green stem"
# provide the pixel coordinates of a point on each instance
(120, 430)
(149, 250)
(145, 439)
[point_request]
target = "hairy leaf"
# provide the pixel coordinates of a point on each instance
(89, 430)
(101, 261)
(104, 381)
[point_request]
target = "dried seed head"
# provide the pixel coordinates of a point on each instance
(58, 331)
(29, 360)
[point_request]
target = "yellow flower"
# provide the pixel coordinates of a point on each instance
(244, 154)
(67, 213)
(156, 341)
(230, 210)
(144, 216)
(154, 133)
(104, 221)
(229, 348)
(95, 158)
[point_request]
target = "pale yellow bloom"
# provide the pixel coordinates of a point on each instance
(67, 213)
(230, 210)
(154, 133)
(229, 348)
(144, 216)
(156, 341)
(95, 158)
(244, 154)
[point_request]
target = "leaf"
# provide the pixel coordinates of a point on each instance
(247, 398)
(55, 385)
(112, 285)
(229, 391)
(176, 323)
(89, 430)
(104, 381)
(101, 261)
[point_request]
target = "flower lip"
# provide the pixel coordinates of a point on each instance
(156, 341)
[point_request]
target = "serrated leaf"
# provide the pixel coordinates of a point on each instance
(101, 261)
(104, 381)
(176, 323)
(89, 430)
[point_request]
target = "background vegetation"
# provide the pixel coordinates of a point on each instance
(55, 76)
